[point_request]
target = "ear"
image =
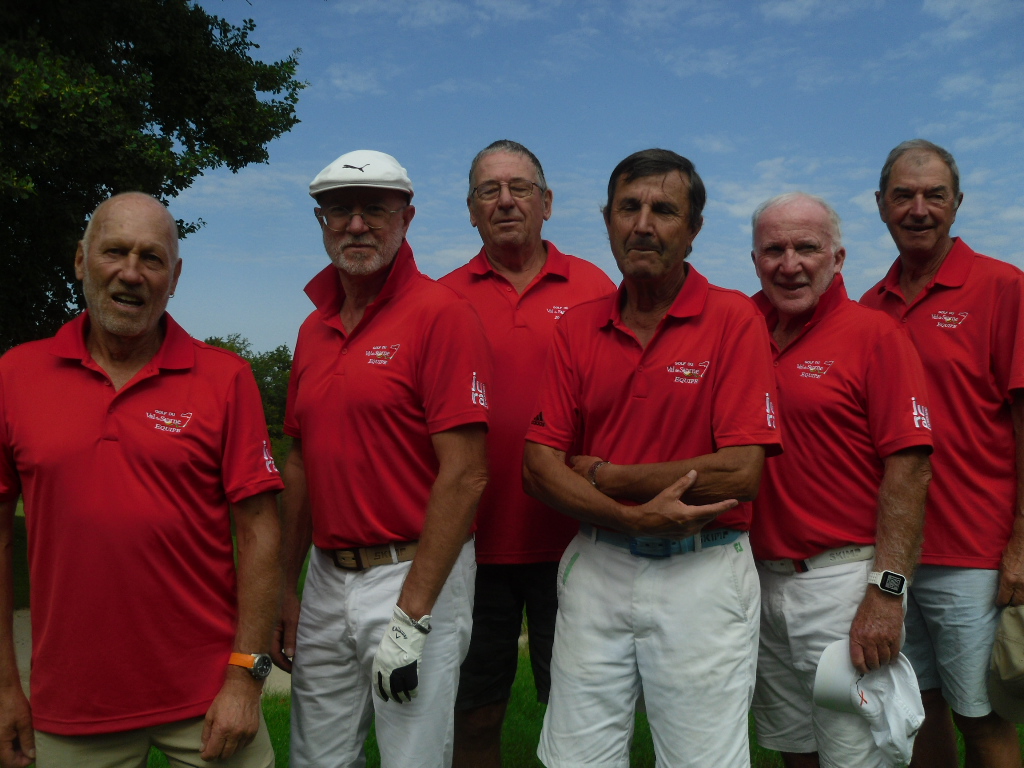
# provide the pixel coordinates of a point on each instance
(881, 205)
(177, 274)
(840, 257)
(549, 198)
(472, 216)
(696, 231)
(753, 258)
(80, 261)
(407, 216)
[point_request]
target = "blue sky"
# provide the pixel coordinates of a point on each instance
(764, 97)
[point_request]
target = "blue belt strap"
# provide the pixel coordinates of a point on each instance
(653, 546)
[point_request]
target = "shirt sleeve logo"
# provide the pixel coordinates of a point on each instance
(948, 319)
(769, 410)
(268, 459)
(169, 421)
(920, 414)
(478, 392)
(814, 369)
(689, 373)
(382, 354)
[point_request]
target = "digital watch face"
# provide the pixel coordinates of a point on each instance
(261, 666)
(892, 583)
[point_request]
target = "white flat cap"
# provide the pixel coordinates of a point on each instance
(362, 168)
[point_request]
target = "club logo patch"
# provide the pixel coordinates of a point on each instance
(814, 369)
(947, 319)
(557, 311)
(688, 373)
(382, 354)
(268, 459)
(169, 421)
(769, 410)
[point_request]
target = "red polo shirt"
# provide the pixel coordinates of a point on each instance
(851, 393)
(513, 527)
(365, 404)
(126, 495)
(703, 382)
(968, 326)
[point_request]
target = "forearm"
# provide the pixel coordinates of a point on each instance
(8, 661)
(548, 479)
(461, 478)
(296, 518)
(258, 534)
(901, 505)
(733, 472)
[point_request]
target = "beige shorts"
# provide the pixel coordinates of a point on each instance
(130, 749)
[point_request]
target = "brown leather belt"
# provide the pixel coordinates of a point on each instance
(362, 558)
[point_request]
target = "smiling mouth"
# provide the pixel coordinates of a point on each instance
(127, 300)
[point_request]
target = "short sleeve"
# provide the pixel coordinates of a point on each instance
(248, 463)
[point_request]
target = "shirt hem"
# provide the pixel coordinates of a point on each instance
(118, 724)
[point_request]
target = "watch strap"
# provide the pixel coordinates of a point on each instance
(889, 582)
(247, 660)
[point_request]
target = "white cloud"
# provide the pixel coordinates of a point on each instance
(713, 143)
(350, 82)
(865, 201)
(792, 11)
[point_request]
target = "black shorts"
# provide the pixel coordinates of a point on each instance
(502, 592)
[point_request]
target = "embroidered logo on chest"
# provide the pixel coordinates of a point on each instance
(814, 369)
(382, 354)
(947, 319)
(557, 311)
(169, 421)
(688, 373)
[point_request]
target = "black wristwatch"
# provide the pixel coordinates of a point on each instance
(889, 581)
(258, 664)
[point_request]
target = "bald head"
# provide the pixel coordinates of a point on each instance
(127, 203)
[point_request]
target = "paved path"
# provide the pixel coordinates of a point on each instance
(278, 681)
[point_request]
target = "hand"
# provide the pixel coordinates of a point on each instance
(234, 717)
(876, 630)
(282, 645)
(17, 739)
(396, 665)
(1011, 574)
(666, 515)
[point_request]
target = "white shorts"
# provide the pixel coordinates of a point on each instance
(685, 626)
(951, 625)
(343, 617)
(801, 614)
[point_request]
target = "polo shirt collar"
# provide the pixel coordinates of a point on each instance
(324, 290)
(952, 272)
(557, 263)
(176, 351)
(833, 297)
(689, 302)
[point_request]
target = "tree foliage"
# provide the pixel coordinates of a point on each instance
(104, 96)
(272, 371)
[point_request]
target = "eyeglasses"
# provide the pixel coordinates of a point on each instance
(519, 188)
(337, 218)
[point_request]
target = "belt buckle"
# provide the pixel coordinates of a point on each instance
(650, 546)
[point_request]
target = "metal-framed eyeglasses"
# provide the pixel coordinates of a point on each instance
(337, 217)
(518, 188)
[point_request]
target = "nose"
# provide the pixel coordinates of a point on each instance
(505, 199)
(357, 228)
(918, 207)
(789, 264)
(131, 272)
(644, 221)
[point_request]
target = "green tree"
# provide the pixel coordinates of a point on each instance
(272, 370)
(104, 96)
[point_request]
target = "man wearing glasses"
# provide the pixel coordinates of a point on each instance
(387, 406)
(520, 285)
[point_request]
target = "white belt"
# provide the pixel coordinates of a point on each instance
(852, 553)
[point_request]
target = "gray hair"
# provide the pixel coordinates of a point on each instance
(87, 235)
(919, 145)
(834, 223)
(512, 148)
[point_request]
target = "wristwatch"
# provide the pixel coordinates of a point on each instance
(889, 581)
(258, 664)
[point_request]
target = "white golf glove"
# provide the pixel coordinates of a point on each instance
(396, 665)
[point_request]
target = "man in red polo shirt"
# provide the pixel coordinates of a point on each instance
(842, 509)
(134, 448)
(665, 388)
(387, 405)
(965, 313)
(520, 284)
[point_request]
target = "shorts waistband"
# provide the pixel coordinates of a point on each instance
(363, 558)
(653, 546)
(852, 553)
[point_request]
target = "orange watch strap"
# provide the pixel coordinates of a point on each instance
(246, 660)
